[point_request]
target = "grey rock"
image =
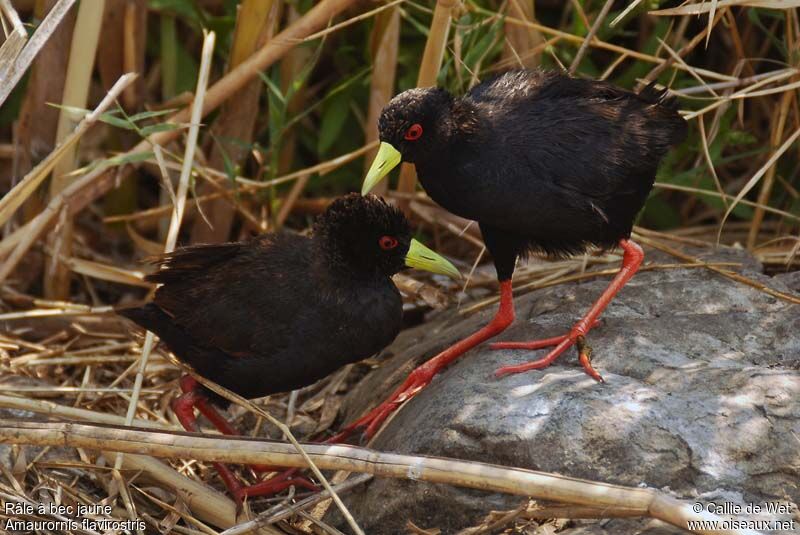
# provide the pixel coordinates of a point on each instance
(702, 394)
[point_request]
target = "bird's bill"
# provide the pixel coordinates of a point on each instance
(421, 257)
(387, 159)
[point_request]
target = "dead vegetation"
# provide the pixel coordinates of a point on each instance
(196, 136)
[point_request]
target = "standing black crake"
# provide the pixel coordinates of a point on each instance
(283, 310)
(544, 163)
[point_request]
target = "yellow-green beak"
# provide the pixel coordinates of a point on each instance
(387, 159)
(421, 257)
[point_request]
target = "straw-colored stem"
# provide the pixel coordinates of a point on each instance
(601, 17)
(384, 45)
(93, 185)
(608, 46)
(12, 200)
(24, 237)
(428, 72)
(23, 60)
(180, 203)
(523, 45)
(242, 450)
(769, 177)
(83, 51)
(233, 129)
(208, 504)
(14, 41)
(789, 298)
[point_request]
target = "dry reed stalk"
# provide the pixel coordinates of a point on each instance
(83, 50)
(606, 46)
(705, 7)
(683, 51)
(769, 177)
(590, 36)
(93, 185)
(292, 69)
(233, 129)
(287, 434)
(482, 476)
(246, 186)
(281, 512)
(14, 41)
(38, 121)
(11, 75)
(624, 12)
(432, 295)
(208, 504)
(10, 202)
(725, 273)
(757, 176)
(428, 72)
(560, 277)
(725, 197)
(180, 203)
(522, 45)
(436, 216)
(289, 200)
(384, 46)
(106, 272)
(133, 50)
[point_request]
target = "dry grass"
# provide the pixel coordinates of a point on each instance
(68, 358)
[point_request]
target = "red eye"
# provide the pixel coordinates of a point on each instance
(414, 132)
(387, 242)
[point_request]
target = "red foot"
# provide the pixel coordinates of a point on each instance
(422, 375)
(631, 260)
(272, 486)
(416, 381)
(562, 343)
(184, 407)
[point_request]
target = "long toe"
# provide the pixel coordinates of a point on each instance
(533, 345)
(537, 364)
(275, 485)
(540, 344)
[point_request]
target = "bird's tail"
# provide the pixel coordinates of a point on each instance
(148, 316)
(661, 97)
(667, 105)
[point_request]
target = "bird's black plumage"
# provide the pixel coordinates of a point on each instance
(282, 310)
(543, 161)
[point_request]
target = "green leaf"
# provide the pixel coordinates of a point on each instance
(333, 119)
(186, 9)
(150, 114)
(122, 159)
(186, 76)
(160, 127)
(116, 121)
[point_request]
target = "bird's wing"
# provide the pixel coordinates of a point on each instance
(587, 136)
(244, 298)
(191, 261)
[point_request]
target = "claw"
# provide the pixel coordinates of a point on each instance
(585, 358)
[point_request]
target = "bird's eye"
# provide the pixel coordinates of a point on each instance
(414, 132)
(387, 242)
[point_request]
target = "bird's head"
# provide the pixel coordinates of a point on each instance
(368, 237)
(412, 127)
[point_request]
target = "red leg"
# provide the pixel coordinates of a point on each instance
(422, 375)
(631, 260)
(184, 410)
(189, 384)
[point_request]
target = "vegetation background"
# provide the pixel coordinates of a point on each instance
(295, 127)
